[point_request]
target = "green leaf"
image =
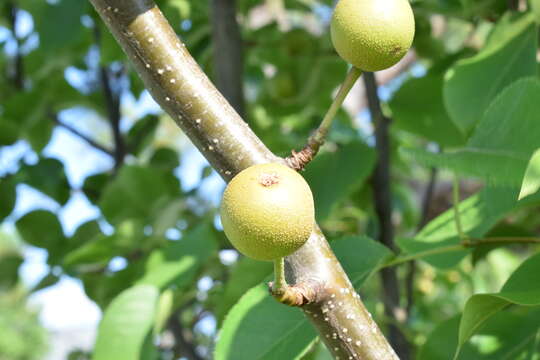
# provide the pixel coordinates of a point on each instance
(137, 192)
(318, 352)
(509, 334)
(442, 341)
(94, 185)
(142, 132)
(245, 274)
(9, 269)
(104, 287)
(8, 196)
(531, 180)
(360, 256)
(503, 142)
(522, 288)
(48, 280)
(165, 158)
(479, 213)
(178, 263)
(260, 328)
(16, 111)
(126, 324)
(472, 83)
(418, 107)
(167, 217)
(101, 248)
(9, 131)
(60, 24)
(85, 233)
(164, 310)
(535, 7)
(42, 229)
(47, 176)
(334, 176)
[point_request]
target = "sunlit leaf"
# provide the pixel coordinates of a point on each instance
(126, 324)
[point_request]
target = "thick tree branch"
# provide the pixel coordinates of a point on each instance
(228, 55)
(177, 83)
(383, 207)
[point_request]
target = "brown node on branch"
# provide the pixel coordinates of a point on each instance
(298, 295)
(299, 160)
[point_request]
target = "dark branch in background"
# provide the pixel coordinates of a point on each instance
(112, 100)
(180, 87)
(83, 137)
(411, 266)
(18, 65)
(383, 207)
(513, 5)
(182, 346)
(228, 55)
(111, 95)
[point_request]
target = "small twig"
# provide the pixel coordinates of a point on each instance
(83, 137)
(472, 242)
(422, 254)
(463, 245)
(298, 160)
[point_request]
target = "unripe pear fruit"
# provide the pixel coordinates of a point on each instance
(372, 35)
(267, 211)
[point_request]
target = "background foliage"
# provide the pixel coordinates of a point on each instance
(154, 257)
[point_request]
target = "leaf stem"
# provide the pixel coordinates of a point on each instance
(422, 254)
(299, 160)
(463, 245)
(280, 283)
(457, 216)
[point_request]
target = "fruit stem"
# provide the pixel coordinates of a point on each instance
(280, 283)
(297, 161)
(317, 139)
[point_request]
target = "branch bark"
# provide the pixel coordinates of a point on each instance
(177, 83)
(383, 207)
(228, 53)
